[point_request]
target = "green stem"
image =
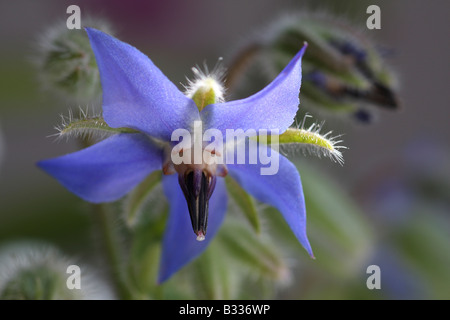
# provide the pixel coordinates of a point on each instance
(113, 252)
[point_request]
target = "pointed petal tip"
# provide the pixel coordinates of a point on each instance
(302, 50)
(93, 34)
(160, 280)
(90, 30)
(40, 164)
(46, 165)
(310, 252)
(103, 172)
(128, 77)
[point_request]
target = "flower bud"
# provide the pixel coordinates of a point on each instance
(343, 71)
(40, 272)
(66, 62)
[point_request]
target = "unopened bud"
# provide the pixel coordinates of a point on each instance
(343, 70)
(66, 62)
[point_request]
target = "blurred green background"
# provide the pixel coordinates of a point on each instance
(389, 205)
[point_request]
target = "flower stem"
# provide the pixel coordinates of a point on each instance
(111, 242)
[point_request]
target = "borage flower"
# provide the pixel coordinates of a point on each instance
(138, 96)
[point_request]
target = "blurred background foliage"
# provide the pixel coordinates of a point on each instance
(389, 205)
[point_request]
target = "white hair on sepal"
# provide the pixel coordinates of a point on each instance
(310, 141)
(291, 149)
(86, 126)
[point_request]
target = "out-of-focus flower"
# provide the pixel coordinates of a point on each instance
(66, 64)
(32, 271)
(344, 72)
(137, 96)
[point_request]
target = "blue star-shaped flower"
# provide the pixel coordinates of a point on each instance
(137, 95)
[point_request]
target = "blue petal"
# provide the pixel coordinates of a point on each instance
(136, 94)
(274, 107)
(107, 170)
(282, 190)
(180, 245)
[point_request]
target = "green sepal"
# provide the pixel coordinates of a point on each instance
(245, 202)
(136, 199)
(252, 251)
(87, 126)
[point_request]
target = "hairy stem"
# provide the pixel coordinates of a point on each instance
(111, 245)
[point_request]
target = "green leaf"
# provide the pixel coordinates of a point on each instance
(210, 275)
(245, 203)
(253, 252)
(143, 268)
(423, 243)
(145, 252)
